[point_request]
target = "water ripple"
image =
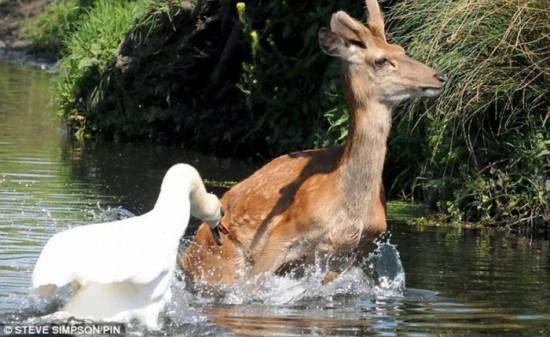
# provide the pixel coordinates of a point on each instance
(459, 282)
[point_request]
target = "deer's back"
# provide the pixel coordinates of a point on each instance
(283, 195)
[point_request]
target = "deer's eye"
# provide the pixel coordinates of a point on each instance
(359, 44)
(381, 62)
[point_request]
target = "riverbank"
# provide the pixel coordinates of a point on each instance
(13, 43)
(242, 80)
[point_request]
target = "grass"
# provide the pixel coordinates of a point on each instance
(404, 212)
(48, 30)
(90, 53)
(479, 153)
(485, 143)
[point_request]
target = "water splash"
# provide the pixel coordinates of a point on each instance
(27, 308)
(385, 267)
(380, 274)
(110, 214)
(178, 313)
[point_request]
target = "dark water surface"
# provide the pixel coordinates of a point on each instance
(458, 282)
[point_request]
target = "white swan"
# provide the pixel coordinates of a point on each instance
(121, 271)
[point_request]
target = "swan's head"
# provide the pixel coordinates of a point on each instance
(211, 212)
(183, 185)
(182, 182)
(207, 208)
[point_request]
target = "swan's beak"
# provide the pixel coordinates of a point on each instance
(217, 233)
(219, 229)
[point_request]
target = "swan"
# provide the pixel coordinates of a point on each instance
(121, 271)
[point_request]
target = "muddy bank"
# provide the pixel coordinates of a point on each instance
(12, 15)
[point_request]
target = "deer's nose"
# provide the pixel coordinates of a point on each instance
(441, 77)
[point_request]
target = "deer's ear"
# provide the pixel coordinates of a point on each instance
(334, 45)
(376, 19)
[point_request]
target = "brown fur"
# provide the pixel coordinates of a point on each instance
(327, 202)
(292, 196)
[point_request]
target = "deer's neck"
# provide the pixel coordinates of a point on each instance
(362, 162)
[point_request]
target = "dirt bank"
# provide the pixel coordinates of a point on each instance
(12, 14)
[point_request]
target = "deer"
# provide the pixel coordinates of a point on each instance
(325, 203)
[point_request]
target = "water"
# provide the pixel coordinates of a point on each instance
(456, 282)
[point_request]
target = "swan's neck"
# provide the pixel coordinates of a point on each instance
(172, 213)
(173, 202)
(183, 193)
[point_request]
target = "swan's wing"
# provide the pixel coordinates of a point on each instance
(126, 250)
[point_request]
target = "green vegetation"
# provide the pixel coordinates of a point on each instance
(406, 212)
(48, 30)
(481, 152)
(86, 33)
(91, 50)
(249, 79)
(287, 80)
(177, 82)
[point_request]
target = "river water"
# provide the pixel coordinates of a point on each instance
(423, 281)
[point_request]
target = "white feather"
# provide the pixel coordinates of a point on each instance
(122, 270)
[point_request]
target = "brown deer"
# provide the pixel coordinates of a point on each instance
(326, 203)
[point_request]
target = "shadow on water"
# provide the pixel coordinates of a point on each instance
(133, 173)
(479, 284)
